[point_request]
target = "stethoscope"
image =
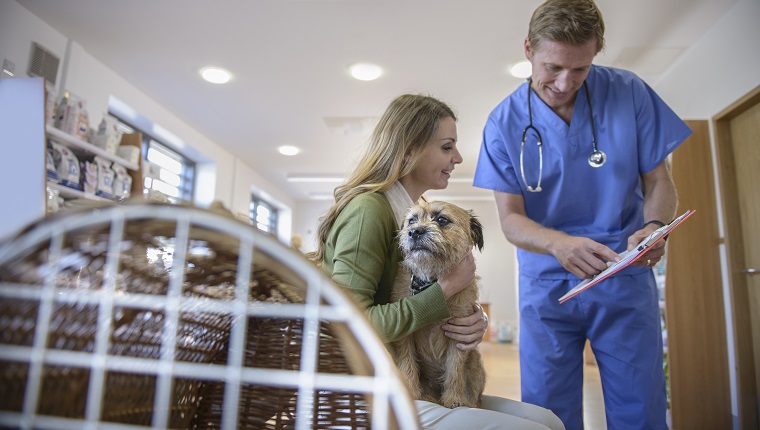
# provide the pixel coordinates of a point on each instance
(595, 159)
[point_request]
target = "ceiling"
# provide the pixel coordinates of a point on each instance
(289, 59)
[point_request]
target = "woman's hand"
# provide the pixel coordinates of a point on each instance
(461, 276)
(467, 331)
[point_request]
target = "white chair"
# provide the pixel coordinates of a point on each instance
(146, 315)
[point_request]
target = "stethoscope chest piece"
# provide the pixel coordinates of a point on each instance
(597, 158)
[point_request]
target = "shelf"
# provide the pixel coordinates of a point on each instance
(71, 193)
(73, 141)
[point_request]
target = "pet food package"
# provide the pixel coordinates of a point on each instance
(51, 104)
(129, 153)
(52, 174)
(54, 201)
(105, 178)
(89, 177)
(72, 116)
(108, 135)
(122, 183)
(67, 167)
(130, 147)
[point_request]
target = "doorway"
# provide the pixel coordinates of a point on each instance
(737, 139)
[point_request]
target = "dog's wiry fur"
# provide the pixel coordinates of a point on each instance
(435, 236)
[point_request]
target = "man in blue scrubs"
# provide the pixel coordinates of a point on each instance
(588, 180)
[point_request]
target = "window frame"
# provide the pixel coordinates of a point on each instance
(272, 220)
(186, 188)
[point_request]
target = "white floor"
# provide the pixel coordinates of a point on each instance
(503, 379)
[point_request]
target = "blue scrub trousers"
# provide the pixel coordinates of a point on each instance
(621, 318)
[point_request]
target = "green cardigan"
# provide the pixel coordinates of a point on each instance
(362, 254)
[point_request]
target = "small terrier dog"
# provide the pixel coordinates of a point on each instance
(435, 236)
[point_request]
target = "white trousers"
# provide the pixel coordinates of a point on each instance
(495, 413)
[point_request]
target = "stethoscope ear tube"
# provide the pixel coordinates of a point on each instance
(596, 159)
(540, 145)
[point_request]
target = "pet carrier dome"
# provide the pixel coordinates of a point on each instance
(145, 315)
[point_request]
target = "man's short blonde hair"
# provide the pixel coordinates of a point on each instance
(571, 21)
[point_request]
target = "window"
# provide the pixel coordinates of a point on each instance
(165, 171)
(170, 173)
(264, 215)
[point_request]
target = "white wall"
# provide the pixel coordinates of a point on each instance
(305, 221)
(722, 67)
(85, 76)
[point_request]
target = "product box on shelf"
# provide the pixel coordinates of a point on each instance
(89, 177)
(51, 103)
(108, 134)
(105, 178)
(132, 142)
(130, 147)
(52, 173)
(71, 116)
(122, 182)
(67, 166)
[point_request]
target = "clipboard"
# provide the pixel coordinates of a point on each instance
(628, 257)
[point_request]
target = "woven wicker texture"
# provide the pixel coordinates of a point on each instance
(112, 318)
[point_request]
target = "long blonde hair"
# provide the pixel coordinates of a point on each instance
(394, 150)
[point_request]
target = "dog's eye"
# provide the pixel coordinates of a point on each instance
(411, 221)
(442, 220)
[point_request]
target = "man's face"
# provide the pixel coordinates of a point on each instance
(559, 70)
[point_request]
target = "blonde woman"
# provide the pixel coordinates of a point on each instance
(413, 149)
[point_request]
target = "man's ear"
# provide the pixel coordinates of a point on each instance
(528, 50)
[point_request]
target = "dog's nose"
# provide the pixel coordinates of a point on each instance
(415, 233)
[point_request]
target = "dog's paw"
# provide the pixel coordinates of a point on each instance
(458, 403)
(454, 405)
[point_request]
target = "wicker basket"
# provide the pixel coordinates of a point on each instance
(173, 317)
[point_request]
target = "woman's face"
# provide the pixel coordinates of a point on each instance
(437, 162)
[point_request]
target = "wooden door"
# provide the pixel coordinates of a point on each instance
(738, 149)
(700, 393)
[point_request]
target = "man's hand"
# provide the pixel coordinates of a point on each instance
(654, 255)
(582, 256)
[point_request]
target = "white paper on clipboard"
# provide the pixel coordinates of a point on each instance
(628, 257)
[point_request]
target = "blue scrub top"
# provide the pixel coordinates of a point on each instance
(634, 127)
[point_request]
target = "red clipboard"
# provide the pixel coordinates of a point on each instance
(628, 257)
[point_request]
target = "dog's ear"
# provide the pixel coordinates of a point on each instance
(476, 231)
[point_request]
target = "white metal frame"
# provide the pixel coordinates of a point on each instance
(386, 388)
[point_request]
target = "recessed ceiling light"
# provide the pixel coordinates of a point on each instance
(215, 75)
(288, 150)
(365, 71)
(521, 69)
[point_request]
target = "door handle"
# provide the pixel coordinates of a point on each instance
(750, 271)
